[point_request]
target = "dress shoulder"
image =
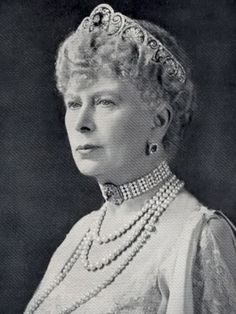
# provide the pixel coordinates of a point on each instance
(219, 224)
(214, 268)
(203, 279)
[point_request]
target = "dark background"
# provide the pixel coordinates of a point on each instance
(41, 192)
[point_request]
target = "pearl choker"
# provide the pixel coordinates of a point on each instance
(119, 194)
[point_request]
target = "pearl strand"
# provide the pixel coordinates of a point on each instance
(155, 207)
(126, 227)
(76, 254)
(59, 278)
(140, 243)
(93, 292)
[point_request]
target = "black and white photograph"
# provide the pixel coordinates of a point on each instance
(117, 164)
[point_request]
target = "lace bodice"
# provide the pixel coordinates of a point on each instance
(188, 266)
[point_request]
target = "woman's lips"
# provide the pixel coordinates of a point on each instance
(84, 149)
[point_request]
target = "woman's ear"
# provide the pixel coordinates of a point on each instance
(162, 117)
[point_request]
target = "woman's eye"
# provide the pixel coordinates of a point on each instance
(105, 103)
(73, 105)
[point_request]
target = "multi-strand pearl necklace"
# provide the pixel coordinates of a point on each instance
(140, 215)
(145, 219)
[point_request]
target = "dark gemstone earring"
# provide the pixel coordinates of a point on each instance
(151, 148)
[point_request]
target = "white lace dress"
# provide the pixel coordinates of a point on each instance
(187, 266)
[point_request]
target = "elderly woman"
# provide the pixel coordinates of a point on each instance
(152, 247)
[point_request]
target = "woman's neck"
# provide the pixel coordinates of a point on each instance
(131, 172)
(132, 195)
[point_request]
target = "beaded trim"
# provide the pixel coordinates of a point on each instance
(119, 194)
(117, 24)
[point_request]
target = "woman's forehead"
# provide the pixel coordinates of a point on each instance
(83, 83)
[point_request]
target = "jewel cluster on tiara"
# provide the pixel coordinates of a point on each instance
(116, 24)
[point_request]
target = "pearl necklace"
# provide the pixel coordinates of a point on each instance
(143, 213)
(150, 212)
(144, 234)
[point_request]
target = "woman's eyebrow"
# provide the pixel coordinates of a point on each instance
(109, 92)
(105, 92)
(71, 98)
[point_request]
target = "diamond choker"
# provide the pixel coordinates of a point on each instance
(118, 194)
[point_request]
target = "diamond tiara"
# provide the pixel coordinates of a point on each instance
(116, 24)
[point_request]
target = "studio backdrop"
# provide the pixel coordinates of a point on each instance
(42, 193)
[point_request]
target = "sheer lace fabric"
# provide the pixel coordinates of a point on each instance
(188, 266)
(214, 272)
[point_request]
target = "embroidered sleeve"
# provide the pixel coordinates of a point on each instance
(214, 271)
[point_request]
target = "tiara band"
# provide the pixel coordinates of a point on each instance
(116, 24)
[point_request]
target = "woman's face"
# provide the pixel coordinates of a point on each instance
(108, 127)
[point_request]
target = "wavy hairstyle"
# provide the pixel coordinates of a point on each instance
(93, 53)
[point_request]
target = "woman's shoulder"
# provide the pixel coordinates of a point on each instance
(217, 222)
(218, 233)
(204, 255)
(212, 234)
(197, 222)
(189, 207)
(213, 222)
(201, 230)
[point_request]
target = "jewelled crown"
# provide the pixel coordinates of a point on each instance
(113, 23)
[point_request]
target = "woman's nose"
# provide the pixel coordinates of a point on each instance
(85, 120)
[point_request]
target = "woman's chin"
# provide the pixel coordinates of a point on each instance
(89, 167)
